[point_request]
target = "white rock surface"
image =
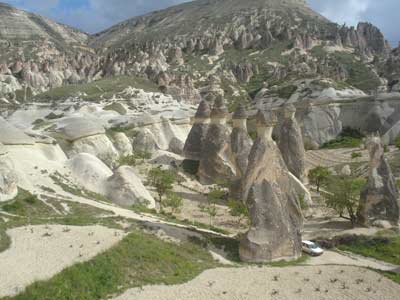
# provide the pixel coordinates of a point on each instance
(89, 172)
(126, 189)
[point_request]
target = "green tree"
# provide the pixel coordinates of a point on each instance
(319, 176)
(174, 202)
(238, 209)
(162, 180)
(343, 195)
(210, 207)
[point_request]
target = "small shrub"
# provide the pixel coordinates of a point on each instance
(356, 155)
(190, 166)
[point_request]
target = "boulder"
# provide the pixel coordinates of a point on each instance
(126, 189)
(275, 212)
(176, 146)
(98, 145)
(89, 172)
(194, 143)
(380, 198)
(291, 143)
(145, 141)
(122, 144)
(167, 158)
(8, 179)
(216, 156)
(117, 107)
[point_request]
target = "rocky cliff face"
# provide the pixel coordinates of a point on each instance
(379, 200)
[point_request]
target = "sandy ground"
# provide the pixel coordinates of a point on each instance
(40, 252)
(292, 283)
(350, 259)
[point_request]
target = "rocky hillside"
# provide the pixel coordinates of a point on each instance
(256, 51)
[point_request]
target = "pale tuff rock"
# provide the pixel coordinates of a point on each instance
(75, 128)
(117, 107)
(291, 143)
(89, 172)
(8, 178)
(195, 141)
(98, 145)
(126, 189)
(11, 135)
(145, 141)
(275, 213)
(380, 198)
(122, 143)
(216, 157)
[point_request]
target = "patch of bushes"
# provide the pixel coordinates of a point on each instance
(287, 91)
(349, 138)
(190, 166)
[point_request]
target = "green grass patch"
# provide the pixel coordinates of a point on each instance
(71, 188)
(384, 249)
(348, 138)
(140, 259)
(105, 88)
(27, 205)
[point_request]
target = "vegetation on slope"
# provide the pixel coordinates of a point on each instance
(140, 259)
(96, 90)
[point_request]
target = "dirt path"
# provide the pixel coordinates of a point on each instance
(291, 283)
(350, 259)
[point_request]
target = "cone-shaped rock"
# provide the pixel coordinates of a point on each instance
(291, 143)
(380, 198)
(216, 158)
(275, 212)
(194, 143)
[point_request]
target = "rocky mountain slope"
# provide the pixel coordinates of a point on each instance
(253, 51)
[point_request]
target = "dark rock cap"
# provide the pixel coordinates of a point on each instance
(267, 118)
(219, 109)
(203, 111)
(240, 113)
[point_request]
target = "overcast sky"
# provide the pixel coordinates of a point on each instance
(95, 15)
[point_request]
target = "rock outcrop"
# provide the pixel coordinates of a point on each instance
(241, 144)
(197, 135)
(8, 178)
(275, 212)
(126, 189)
(291, 143)
(380, 198)
(216, 156)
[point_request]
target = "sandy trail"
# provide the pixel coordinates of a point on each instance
(40, 252)
(308, 283)
(350, 259)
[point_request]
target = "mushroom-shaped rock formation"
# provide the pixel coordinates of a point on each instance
(194, 143)
(241, 144)
(216, 157)
(126, 189)
(275, 213)
(380, 197)
(291, 143)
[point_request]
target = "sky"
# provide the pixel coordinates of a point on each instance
(95, 15)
